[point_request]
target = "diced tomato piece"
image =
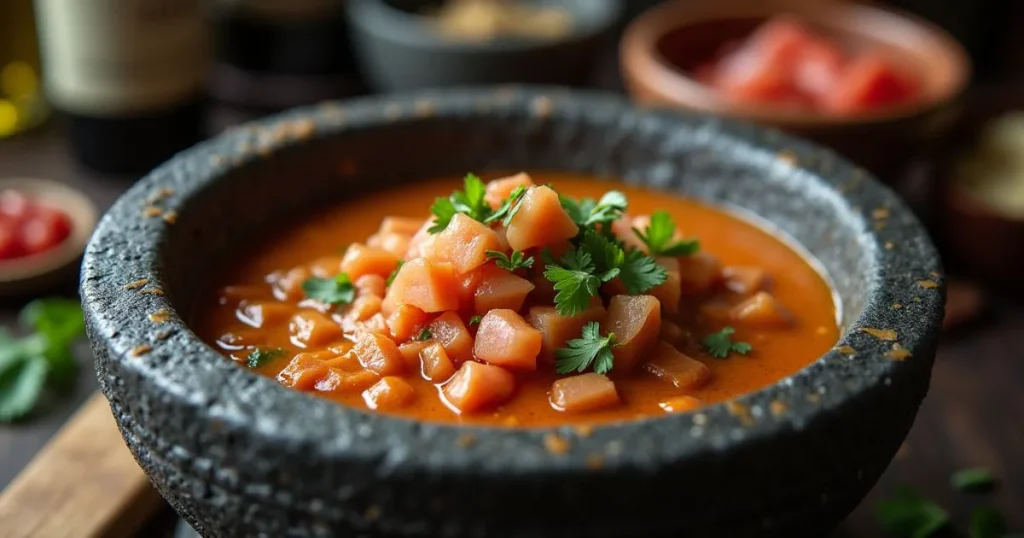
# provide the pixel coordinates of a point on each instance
(262, 315)
(363, 308)
(500, 189)
(396, 244)
(378, 353)
(10, 247)
(44, 229)
(761, 310)
(362, 260)
(699, 273)
(288, 286)
(303, 372)
(451, 332)
(682, 371)
(762, 68)
(540, 221)
(310, 328)
(584, 392)
(406, 321)
(464, 243)
(818, 68)
(407, 226)
(636, 322)
(346, 361)
(389, 393)
(669, 292)
(411, 353)
(422, 242)
(867, 83)
(505, 339)
(435, 365)
(499, 288)
(556, 329)
(477, 386)
(342, 382)
(325, 267)
(429, 286)
(14, 205)
(371, 285)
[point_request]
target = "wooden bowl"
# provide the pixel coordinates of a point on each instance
(662, 46)
(31, 274)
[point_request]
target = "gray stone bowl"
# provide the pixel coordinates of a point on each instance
(398, 49)
(239, 455)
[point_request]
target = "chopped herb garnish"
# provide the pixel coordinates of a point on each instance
(469, 201)
(40, 360)
(508, 207)
(586, 212)
(659, 235)
(988, 522)
(720, 344)
(337, 290)
(424, 335)
(260, 357)
(574, 281)
(475, 320)
(640, 273)
(607, 255)
(391, 277)
(972, 480)
(910, 515)
(580, 353)
(510, 263)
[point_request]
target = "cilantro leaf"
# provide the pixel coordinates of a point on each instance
(469, 201)
(659, 234)
(580, 353)
(578, 210)
(508, 207)
(640, 273)
(260, 357)
(585, 212)
(910, 515)
(510, 264)
(574, 281)
(337, 290)
(988, 522)
(720, 344)
(391, 277)
(443, 210)
(475, 320)
(21, 384)
(973, 480)
(424, 335)
(608, 255)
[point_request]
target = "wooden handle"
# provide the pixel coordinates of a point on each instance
(83, 484)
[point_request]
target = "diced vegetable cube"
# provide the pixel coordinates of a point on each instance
(744, 280)
(429, 286)
(389, 393)
(672, 333)
(396, 244)
(818, 68)
(362, 260)
(231, 294)
(422, 242)
(670, 365)
(761, 310)
(407, 226)
(406, 321)
(584, 392)
(699, 273)
(378, 353)
(343, 382)
(505, 339)
(540, 221)
(363, 308)
(869, 81)
(464, 243)
(435, 365)
(310, 328)
(288, 286)
(762, 68)
(498, 288)
(262, 315)
(325, 267)
(370, 285)
(501, 188)
(451, 332)
(556, 330)
(636, 322)
(302, 372)
(476, 386)
(411, 353)
(669, 292)
(347, 362)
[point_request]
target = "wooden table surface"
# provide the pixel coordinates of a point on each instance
(973, 416)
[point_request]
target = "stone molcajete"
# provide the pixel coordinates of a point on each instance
(239, 455)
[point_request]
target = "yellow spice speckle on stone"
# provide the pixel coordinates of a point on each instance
(927, 284)
(898, 353)
(777, 408)
(882, 334)
(171, 217)
(556, 444)
(153, 291)
(787, 157)
(160, 316)
(141, 350)
(151, 212)
(740, 411)
(595, 462)
(465, 440)
(889, 245)
(846, 350)
(584, 430)
(137, 284)
(541, 107)
(880, 213)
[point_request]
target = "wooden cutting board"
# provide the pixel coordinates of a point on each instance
(83, 484)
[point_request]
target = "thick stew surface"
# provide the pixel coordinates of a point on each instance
(498, 305)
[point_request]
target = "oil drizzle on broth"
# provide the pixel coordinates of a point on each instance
(778, 353)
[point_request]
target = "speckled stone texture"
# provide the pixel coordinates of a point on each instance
(238, 455)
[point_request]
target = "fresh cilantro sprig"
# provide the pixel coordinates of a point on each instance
(575, 282)
(475, 320)
(640, 273)
(424, 335)
(510, 263)
(592, 349)
(585, 212)
(973, 480)
(720, 344)
(911, 515)
(508, 208)
(469, 201)
(659, 235)
(261, 356)
(333, 291)
(40, 360)
(391, 277)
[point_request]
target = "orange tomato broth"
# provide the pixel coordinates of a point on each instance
(777, 353)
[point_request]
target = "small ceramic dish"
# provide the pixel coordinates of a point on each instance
(399, 48)
(661, 48)
(30, 274)
(237, 454)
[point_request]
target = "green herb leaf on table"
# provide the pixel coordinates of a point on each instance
(659, 235)
(510, 263)
(988, 522)
(976, 480)
(261, 357)
(475, 320)
(592, 349)
(640, 273)
(910, 515)
(391, 277)
(337, 290)
(574, 281)
(424, 335)
(720, 344)
(21, 385)
(508, 207)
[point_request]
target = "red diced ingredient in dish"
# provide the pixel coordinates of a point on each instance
(540, 221)
(744, 280)
(389, 393)
(370, 285)
(429, 286)
(362, 260)
(556, 329)
(406, 226)
(379, 354)
(761, 310)
(464, 243)
(310, 328)
(341, 381)
(636, 322)
(28, 228)
(584, 392)
(505, 339)
(500, 189)
(683, 372)
(499, 289)
(786, 64)
(478, 386)
(451, 332)
(406, 321)
(303, 372)
(435, 365)
(264, 314)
